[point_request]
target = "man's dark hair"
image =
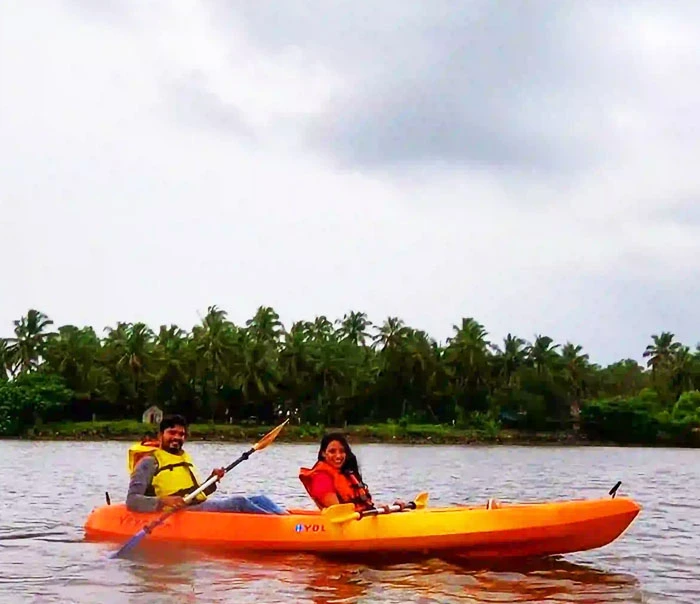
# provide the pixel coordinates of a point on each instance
(170, 421)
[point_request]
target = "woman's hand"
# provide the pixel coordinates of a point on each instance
(401, 503)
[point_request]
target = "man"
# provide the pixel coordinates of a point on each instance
(162, 478)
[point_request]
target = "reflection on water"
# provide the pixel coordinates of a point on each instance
(43, 557)
(156, 574)
(285, 578)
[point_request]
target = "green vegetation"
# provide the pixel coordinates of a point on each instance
(390, 382)
(388, 432)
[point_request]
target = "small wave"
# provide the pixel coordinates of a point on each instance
(17, 536)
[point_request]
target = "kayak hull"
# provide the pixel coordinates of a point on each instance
(508, 531)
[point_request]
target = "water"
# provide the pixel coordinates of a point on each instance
(49, 488)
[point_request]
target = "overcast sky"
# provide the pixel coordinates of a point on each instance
(528, 164)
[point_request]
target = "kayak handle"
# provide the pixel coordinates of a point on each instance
(613, 491)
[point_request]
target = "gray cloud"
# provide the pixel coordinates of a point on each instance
(517, 85)
(534, 168)
(626, 311)
(193, 102)
(488, 92)
(109, 12)
(684, 211)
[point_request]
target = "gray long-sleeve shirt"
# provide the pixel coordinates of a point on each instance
(141, 479)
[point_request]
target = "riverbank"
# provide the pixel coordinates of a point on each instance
(128, 430)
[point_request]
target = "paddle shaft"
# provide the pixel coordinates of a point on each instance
(339, 513)
(261, 444)
(206, 484)
(411, 505)
(242, 458)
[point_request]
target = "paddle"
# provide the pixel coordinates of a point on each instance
(258, 446)
(345, 512)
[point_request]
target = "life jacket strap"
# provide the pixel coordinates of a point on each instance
(172, 466)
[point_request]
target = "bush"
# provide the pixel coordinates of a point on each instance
(681, 425)
(687, 406)
(521, 409)
(30, 399)
(622, 420)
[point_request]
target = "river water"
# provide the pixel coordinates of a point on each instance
(48, 489)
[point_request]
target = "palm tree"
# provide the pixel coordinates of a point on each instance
(391, 334)
(420, 366)
(509, 360)
(265, 326)
(469, 348)
(174, 365)
(74, 355)
(255, 372)
(28, 345)
(128, 349)
(575, 373)
(682, 369)
(322, 329)
(467, 357)
(5, 359)
(661, 351)
(353, 327)
(543, 355)
(295, 362)
(471, 332)
(214, 343)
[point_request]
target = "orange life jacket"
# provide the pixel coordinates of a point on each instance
(348, 487)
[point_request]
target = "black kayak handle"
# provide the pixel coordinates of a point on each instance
(613, 491)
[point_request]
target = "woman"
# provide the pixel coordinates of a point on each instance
(335, 478)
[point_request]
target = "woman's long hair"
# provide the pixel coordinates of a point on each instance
(350, 464)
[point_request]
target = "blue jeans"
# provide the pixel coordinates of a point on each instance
(258, 504)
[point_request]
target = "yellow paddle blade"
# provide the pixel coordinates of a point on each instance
(269, 437)
(341, 512)
(421, 500)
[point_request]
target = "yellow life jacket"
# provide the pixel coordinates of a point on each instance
(137, 451)
(175, 476)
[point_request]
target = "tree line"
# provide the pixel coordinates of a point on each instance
(339, 372)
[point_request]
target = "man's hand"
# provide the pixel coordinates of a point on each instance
(172, 502)
(218, 472)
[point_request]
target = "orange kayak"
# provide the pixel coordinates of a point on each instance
(508, 530)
